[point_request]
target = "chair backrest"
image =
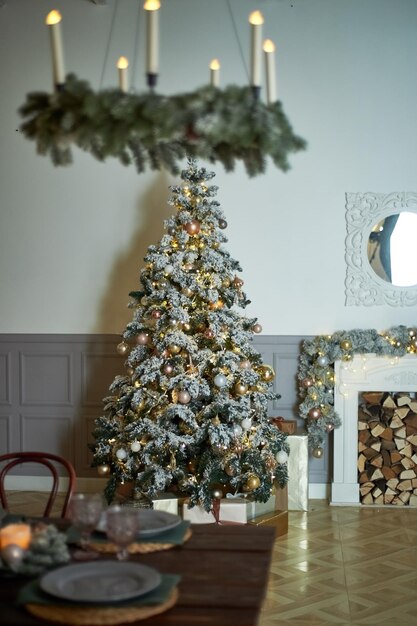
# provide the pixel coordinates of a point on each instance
(53, 463)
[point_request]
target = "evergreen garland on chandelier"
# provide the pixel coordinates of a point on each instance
(316, 372)
(158, 131)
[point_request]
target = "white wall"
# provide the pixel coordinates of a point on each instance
(72, 239)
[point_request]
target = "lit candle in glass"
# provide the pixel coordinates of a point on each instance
(271, 90)
(256, 20)
(122, 65)
(214, 72)
(53, 20)
(151, 7)
(16, 534)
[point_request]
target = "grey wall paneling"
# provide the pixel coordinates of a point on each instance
(52, 387)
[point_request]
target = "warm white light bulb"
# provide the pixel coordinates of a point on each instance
(269, 46)
(152, 5)
(256, 18)
(214, 64)
(54, 17)
(122, 63)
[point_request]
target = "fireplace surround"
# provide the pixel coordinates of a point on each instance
(366, 372)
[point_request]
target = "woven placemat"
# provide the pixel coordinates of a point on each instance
(100, 616)
(137, 548)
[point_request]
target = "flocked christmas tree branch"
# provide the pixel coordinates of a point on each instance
(158, 131)
(316, 372)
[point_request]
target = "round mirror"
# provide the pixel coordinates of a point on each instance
(392, 249)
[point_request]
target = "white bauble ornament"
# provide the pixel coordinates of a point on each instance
(281, 457)
(237, 430)
(246, 423)
(135, 446)
(121, 454)
(220, 380)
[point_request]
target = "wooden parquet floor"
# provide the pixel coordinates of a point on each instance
(345, 565)
(351, 566)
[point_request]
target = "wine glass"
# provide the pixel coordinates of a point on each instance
(122, 525)
(85, 511)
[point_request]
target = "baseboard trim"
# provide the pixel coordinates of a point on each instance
(318, 491)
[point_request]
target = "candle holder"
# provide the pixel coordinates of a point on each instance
(256, 92)
(151, 80)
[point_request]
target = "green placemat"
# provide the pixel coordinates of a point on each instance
(33, 594)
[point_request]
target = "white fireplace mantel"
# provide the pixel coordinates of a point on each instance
(366, 372)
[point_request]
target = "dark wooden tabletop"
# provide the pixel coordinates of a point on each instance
(224, 573)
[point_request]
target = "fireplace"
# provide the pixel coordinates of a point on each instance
(363, 373)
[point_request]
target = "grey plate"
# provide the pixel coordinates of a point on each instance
(100, 581)
(151, 522)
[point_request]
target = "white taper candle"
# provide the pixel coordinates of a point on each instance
(152, 31)
(271, 89)
(256, 20)
(214, 73)
(53, 20)
(122, 65)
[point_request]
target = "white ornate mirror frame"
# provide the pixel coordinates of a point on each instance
(362, 285)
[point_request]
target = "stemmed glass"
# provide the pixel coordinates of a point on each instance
(85, 511)
(122, 525)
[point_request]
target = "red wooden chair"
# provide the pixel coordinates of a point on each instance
(53, 463)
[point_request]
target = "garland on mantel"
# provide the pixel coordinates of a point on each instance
(317, 378)
(159, 131)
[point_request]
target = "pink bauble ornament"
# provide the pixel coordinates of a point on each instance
(314, 413)
(142, 339)
(307, 382)
(156, 314)
(193, 227)
(257, 328)
(184, 397)
(168, 369)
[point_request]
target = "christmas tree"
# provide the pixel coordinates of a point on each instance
(190, 412)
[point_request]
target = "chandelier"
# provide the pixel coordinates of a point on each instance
(158, 131)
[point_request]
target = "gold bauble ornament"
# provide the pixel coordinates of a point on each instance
(318, 452)
(267, 373)
(240, 389)
(122, 347)
(214, 306)
(229, 470)
(252, 482)
(215, 245)
(226, 283)
(174, 349)
(186, 291)
(345, 344)
(103, 470)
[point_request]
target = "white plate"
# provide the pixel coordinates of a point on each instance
(151, 522)
(101, 581)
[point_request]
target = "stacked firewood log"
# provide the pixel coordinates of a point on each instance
(387, 452)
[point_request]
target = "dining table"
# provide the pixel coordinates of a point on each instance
(222, 569)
